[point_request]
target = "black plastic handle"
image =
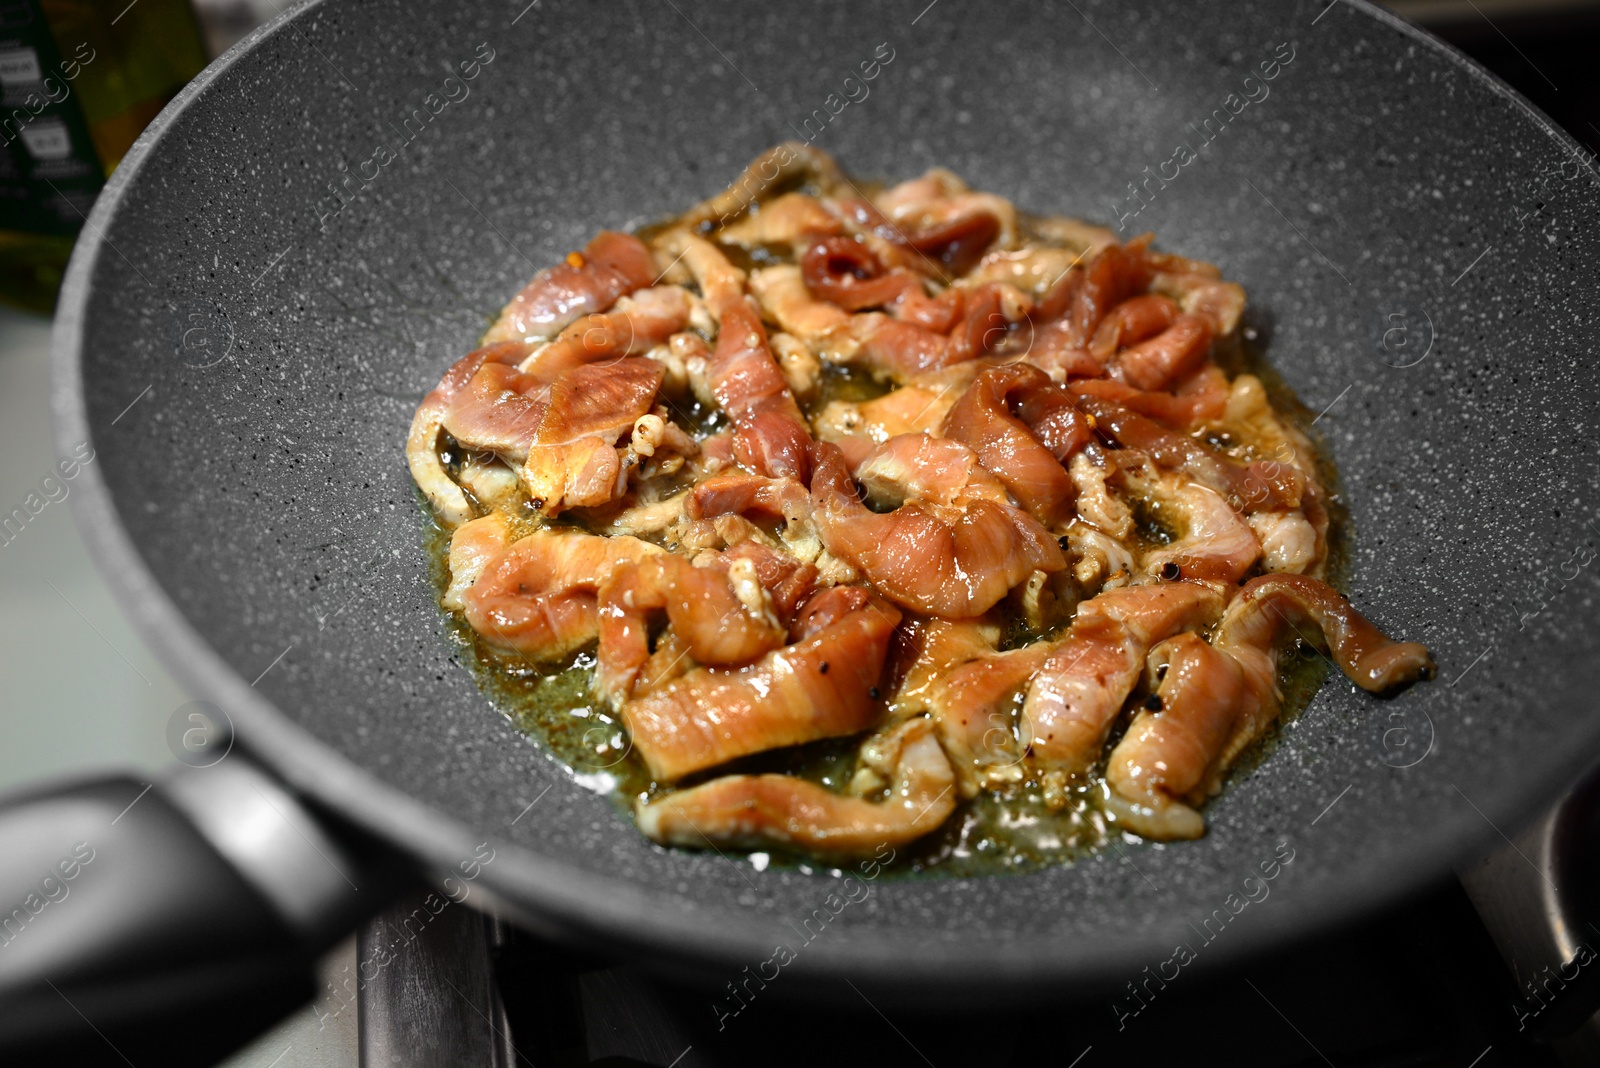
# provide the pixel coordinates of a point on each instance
(1539, 898)
(171, 921)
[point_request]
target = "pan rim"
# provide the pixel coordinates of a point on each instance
(573, 902)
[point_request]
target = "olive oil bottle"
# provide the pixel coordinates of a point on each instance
(79, 79)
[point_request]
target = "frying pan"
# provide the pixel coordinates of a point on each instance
(332, 212)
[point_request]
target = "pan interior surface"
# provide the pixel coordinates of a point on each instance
(332, 214)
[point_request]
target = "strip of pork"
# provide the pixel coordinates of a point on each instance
(899, 349)
(1168, 759)
(825, 685)
(1201, 398)
(770, 435)
(1212, 701)
(727, 612)
(986, 418)
(1082, 297)
(573, 460)
(1256, 618)
(1081, 688)
(473, 546)
(976, 706)
(927, 649)
(1177, 352)
(916, 467)
(950, 562)
(1211, 542)
(780, 811)
(945, 222)
(1260, 486)
(500, 410)
(422, 443)
(1220, 303)
(846, 273)
(918, 406)
(786, 300)
(538, 597)
(793, 220)
(787, 164)
(610, 266)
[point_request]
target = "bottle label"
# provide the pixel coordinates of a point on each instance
(49, 172)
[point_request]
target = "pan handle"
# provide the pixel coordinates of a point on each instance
(190, 912)
(1537, 896)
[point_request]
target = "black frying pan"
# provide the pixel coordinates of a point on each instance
(1420, 247)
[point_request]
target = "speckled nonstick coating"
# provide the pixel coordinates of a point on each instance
(254, 507)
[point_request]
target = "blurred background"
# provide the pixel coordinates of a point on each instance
(81, 689)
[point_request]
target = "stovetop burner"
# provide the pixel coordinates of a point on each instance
(1488, 969)
(1420, 985)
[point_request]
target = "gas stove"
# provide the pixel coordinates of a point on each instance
(1486, 969)
(1472, 972)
